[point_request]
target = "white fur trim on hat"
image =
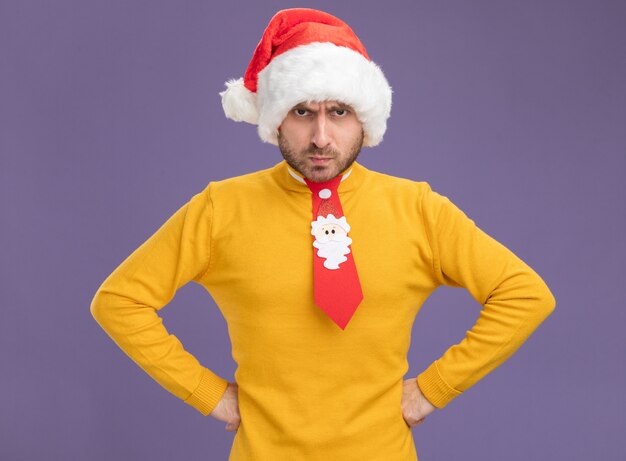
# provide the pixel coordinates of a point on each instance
(313, 72)
(239, 103)
(323, 71)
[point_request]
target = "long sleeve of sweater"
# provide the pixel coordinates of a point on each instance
(515, 299)
(127, 303)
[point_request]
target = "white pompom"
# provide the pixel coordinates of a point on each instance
(239, 103)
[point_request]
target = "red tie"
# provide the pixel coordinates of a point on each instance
(337, 290)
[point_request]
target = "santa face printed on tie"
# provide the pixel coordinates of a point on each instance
(331, 240)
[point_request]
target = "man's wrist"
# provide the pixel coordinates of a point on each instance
(208, 393)
(434, 388)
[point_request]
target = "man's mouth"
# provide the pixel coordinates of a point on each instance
(320, 160)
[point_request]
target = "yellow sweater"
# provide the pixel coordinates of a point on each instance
(308, 390)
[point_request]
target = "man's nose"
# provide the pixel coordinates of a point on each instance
(321, 136)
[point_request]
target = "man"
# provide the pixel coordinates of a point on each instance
(319, 267)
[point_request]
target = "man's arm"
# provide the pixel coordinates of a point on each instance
(127, 302)
(515, 299)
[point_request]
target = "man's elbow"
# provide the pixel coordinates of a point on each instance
(546, 302)
(100, 309)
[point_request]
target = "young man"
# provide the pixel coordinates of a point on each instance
(319, 267)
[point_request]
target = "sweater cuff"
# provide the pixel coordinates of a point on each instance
(434, 388)
(208, 393)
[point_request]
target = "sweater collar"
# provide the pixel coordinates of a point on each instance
(290, 179)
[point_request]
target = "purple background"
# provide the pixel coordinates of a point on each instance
(111, 120)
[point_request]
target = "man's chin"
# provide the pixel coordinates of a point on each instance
(320, 177)
(319, 173)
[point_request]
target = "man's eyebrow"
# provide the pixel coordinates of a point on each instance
(337, 106)
(340, 106)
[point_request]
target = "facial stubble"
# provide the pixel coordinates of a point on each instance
(298, 161)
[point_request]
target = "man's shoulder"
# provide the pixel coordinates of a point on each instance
(398, 183)
(247, 181)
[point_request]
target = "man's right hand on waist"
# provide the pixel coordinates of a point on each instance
(227, 409)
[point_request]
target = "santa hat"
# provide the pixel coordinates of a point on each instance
(307, 55)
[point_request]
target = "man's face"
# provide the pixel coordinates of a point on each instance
(320, 139)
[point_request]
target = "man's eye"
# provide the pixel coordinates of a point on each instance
(341, 112)
(300, 112)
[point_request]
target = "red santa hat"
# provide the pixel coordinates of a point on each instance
(307, 55)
